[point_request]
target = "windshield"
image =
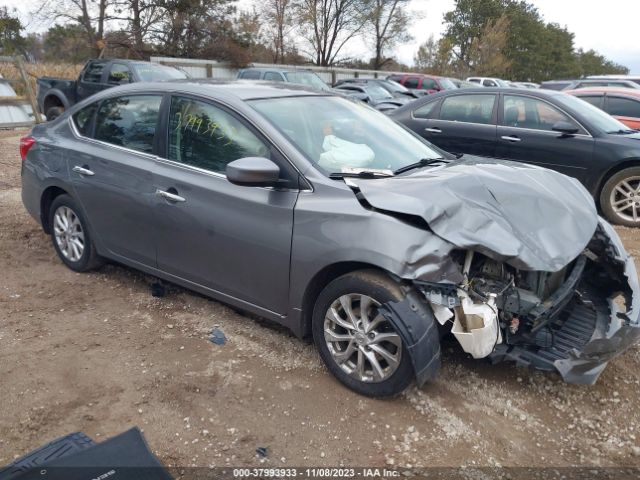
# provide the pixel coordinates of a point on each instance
(447, 84)
(394, 86)
(149, 72)
(307, 78)
(339, 135)
(593, 115)
(377, 92)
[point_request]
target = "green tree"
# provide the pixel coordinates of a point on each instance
(11, 40)
(66, 43)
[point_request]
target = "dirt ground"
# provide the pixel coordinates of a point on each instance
(97, 353)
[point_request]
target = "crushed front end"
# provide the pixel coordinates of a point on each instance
(572, 321)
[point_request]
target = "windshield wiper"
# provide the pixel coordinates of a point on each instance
(361, 174)
(623, 131)
(424, 162)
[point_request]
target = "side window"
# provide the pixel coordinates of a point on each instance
(489, 83)
(208, 137)
(527, 112)
(425, 111)
(429, 84)
(623, 107)
(82, 119)
(129, 121)
(119, 74)
(411, 82)
(93, 72)
(273, 76)
(251, 75)
(595, 100)
(468, 108)
(474, 80)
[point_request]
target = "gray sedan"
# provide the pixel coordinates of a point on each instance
(324, 215)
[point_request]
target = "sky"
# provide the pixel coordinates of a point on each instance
(607, 27)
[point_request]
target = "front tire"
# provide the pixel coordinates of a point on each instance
(70, 235)
(620, 198)
(53, 112)
(357, 344)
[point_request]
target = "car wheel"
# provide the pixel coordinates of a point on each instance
(358, 345)
(70, 235)
(620, 197)
(53, 112)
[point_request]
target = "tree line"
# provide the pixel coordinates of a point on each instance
(504, 38)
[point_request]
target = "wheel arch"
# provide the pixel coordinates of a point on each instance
(321, 279)
(46, 199)
(627, 163)
(53, 99)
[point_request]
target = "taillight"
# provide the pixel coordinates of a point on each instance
(25, 145)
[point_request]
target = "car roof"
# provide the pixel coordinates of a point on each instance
(238, 89)
(633, 92)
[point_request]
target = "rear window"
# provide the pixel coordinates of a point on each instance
(82, 119)
(468, 108)
(129, 121)
(623, 107)
(250, 75)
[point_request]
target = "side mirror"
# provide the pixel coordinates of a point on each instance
(565, 128)
(253, 172)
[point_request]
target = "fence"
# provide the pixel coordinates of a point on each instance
(199, 68)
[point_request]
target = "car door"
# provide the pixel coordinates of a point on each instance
(525, 134)
(462, 124)
(90, 80)
(230, 239)
(624, 108)
(111, 170)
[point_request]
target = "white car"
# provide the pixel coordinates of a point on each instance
(488, 81)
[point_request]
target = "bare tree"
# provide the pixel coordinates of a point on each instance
(92, 15)
(329, 24)
(486, 53)
(388, 23)
(277, 21)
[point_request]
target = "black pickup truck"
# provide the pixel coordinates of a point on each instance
(57, 94)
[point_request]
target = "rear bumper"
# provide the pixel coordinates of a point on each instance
(593, 328)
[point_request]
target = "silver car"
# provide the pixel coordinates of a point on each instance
(324, 215)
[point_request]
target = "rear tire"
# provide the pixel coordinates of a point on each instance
(345, 309)
(620, 198)
(53, 112)
(71, 237)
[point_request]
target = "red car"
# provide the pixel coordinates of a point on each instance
(427, 83)
(621, 103)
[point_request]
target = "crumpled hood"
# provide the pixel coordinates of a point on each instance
(527, 216)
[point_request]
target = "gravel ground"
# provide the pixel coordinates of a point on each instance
(97, 353)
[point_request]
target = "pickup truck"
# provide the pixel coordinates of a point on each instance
(55, 95)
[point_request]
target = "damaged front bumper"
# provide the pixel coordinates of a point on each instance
(593, 329)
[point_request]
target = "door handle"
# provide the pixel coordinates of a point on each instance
(172, 197)
(510, 138)
(433, 130)
(83, 171)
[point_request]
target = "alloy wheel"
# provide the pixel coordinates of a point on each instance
(361, 341)
(625, 199)
(68, 233)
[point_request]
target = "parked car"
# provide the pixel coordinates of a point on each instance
(374, 95)
(307, 78)
(529, 84)
(423, 84)
(542, 127)
(488, 81)
(463, 83)
(55, 95)
(620, 103)
(394, 88)
(328, 217)
(632, 78)
(585, 83)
